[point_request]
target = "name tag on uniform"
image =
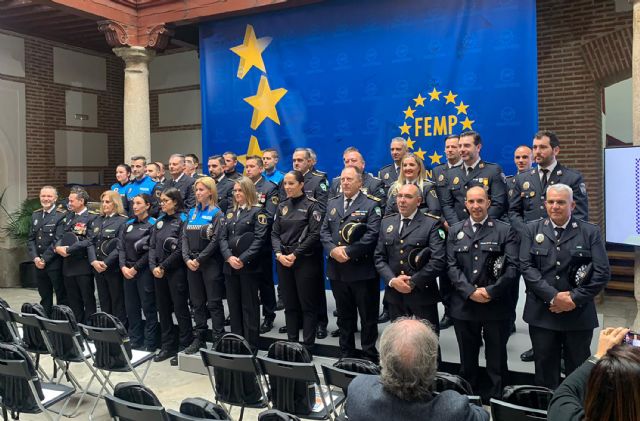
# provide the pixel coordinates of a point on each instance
(109, 230)
(490, 243)
(206, 217)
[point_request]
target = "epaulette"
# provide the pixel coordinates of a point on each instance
(123, 215)
(389, 215)
(318, 173)
(162, 215)
(534, 221)
(152, 220)
(61, 208)
(375, 177)
(39, 210)
(334, 197)
(386, 166)
(257, 205)
(498, 221)
(313, 199)
(431, 215)
(92, 212)
(131, 221)
(372, 197)
(183, 216)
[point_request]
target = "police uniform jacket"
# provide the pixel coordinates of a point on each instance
(77, 263)
(233, 175)
(370, 185)
(545, 262)
(166, 226)
(267, 196)
(144, 185)
(388, 175)
(485, 174)
(105, 228)
(296, 227)
(122, 189)
(135, 231)
(439, 173)
(392, 251)
(156, 193)
(200, 235)
(317, 187)
(252, 219)
(430, 202)
(360, 266)
(467, 254)
(225, 193)
(526, 198)
(42, 236)
(184, 184)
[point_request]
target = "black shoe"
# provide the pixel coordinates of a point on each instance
(335, 333)
(227, 321)
(164, 355)
(194, 347)
(335, 313)
(445, 322)
(384, 316)
(283, 329)
(151, 348)
(174, 361)
(527, 355)
(321, 333)
(266, 326)
(279, 305)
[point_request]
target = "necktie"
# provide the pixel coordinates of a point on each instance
(559, 232)
(469, 169)
(347, 203)
(545, 179)
(477, 226)
(405, 224)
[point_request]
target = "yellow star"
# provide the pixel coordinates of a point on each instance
(250, 52)
(451, 98)
(466, 123)
(420, 153)
(410, 143)
(408, 113)
(435, 158)
(264, 103)
(253, 149)
(462, 109)
(404, 129)
(419, 101)
(435, 94)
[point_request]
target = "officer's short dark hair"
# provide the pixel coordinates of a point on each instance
(297, 175)
(177, 155)
(553, 138)
(477, 140)
(139, 158)
(175, 195)
(126, 167)
(307, 154)
(257, 159)
(219, 158)
(145, 197)
(234, 156)
(356, 169)
(155, 164)
(193, 156)
(271, 150)
(80, 193)
(350, 149)
(451, 136)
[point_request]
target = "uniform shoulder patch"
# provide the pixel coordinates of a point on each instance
(262, 219)
(130, 221)
(152, 220)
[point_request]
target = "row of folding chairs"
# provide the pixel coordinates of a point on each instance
(84, 341)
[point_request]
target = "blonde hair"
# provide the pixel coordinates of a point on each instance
(115, 197)
(422, 174)
(249, 191)
(210, 185)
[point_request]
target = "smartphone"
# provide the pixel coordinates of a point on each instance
(632, 338)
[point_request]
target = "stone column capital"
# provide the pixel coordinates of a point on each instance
(135, 56)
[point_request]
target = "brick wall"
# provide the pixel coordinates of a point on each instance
(45, 113)
(583, 46)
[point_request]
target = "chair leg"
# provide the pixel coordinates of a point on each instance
(241, 412)
(95, 404)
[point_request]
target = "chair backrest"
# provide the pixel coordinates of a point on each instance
(535, 397)
(126, 411)
(6, 324)
(177, 416)
(202, 409)
(305, 372)
(505, 411)
(113, 349)
(446, 381)
(32, 336)
(337, 377)
(19, 383)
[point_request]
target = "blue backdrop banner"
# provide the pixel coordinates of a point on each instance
(358, 73)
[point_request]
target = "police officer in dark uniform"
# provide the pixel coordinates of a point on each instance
(411, 287)
(230, 164)
(482, 256)
(370, 184)
(224, 185)
(560, 310)
(180, 180)
(103, 254)
(141, 182)
(153, 171)
(170, 275)
(412, 171)
(71, 243)
(139, 288)
(121, 186)
(242, 238)
(45, 222)
(389, 173)
(473, 171)
(350, 267)
(192, 163)
(201, 254)
(267, 198)
(295, 241)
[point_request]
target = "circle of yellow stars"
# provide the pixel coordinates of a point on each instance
(434, 95)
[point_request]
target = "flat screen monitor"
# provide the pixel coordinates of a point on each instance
(622, 195)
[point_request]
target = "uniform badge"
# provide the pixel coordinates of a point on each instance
(333, 211)
(559, 172)
(460, 235)
(317, 216)
(274, 200)
(96, 230)
(433, 193)
(441, 233)
(510, 192)
(532, 194)
(389, 229)
(574, 225)
(130, 228)
(386, 176)
(158, 194)
(441, 177)
(116, 189)
(490, 223)
(481, 165)
(539, 238)
(160, 224)
(284, 211)
(262, 219)
(583, 188)
(456, 180)
(35, 222)
(230, 215)
(525, 185)
(378, 211)
(323, 187)
(364, 190)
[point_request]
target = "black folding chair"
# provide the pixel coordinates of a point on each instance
(305, 372)
(31, 320)
(337, 378)
(177, 416)
(122, 410)
(53, 393)
(6, 318)
(505, 411)
(234, 363)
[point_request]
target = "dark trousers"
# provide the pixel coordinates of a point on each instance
(323, 317)
(80, 293)
(446, 289)
(302, 294)
(244, 307)
(206, 291)
(48, 282)
(110, 285)
(495, 333)
(171, 297)
(139, 298)
(427, 312)
(352, 298)
(550, 346)
(266, 287)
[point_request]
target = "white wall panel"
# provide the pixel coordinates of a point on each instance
(79, 69)
(11, 55)
(81, 109)
(179, 108)
(174, 70)
(163, 144)
(80, 149)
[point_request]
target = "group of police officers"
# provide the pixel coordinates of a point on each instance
(463, 237)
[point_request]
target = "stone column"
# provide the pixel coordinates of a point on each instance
(635, 80)
(137, 124)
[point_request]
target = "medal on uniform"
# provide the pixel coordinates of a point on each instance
(539, 238)
(525, 185)
(230, 215)
(160, 224)
(460, 235)
(285, 210)
(481, 165)
(389, 229)
(456, 180)
(441, 177)
(130, 228)
(333, 211)
(532, 194)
